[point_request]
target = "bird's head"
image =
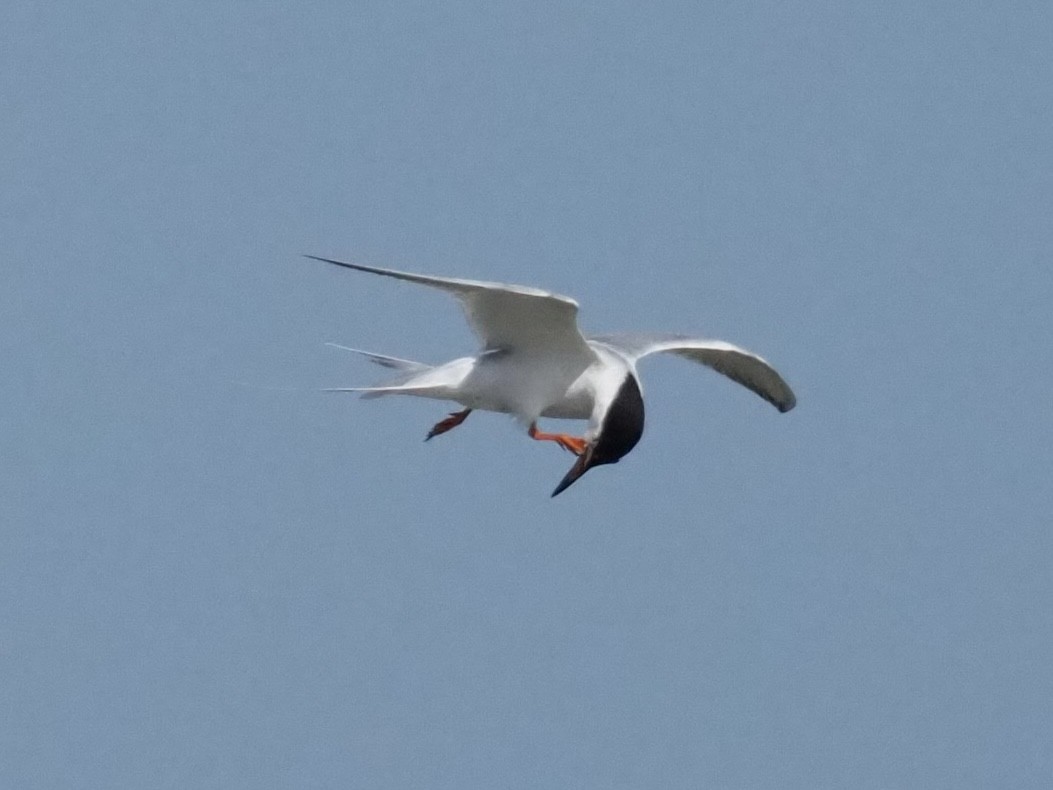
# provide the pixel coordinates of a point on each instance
(620, 430)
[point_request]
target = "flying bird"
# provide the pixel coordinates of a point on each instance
(536, 363)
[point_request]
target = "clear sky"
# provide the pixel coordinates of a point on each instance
(214, 575)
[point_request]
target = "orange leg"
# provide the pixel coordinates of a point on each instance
(572, 443)
(442, 426)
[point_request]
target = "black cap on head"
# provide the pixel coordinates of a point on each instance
(621, 429)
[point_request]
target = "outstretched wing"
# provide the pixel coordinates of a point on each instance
(736, 363)
(507, 317)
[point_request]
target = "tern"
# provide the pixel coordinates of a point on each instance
(535, 363)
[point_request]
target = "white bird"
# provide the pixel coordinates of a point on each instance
(536, 363)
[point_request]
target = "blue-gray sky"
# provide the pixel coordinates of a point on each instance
(213, 575)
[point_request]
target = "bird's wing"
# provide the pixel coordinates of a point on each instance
(503, 316)
(736, 363)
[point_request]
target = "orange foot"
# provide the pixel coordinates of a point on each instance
(442, 426)
(572, 443)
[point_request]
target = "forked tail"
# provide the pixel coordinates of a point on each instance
(406, 381)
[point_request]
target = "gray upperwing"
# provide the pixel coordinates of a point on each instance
(503, 316)
(738, 364)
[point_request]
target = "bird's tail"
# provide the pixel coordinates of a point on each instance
(404, 381)
(384, 361)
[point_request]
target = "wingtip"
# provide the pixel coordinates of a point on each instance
(329, 260)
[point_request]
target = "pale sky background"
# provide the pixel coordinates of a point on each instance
(214, 576)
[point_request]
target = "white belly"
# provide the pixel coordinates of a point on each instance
(528, 386)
